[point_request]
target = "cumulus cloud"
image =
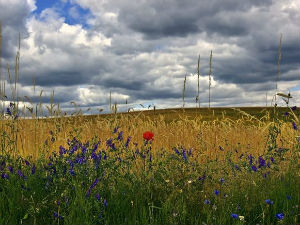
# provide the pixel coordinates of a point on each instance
(141, 51)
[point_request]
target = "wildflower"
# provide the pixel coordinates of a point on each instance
(10, 168)
(189, 181)
(27, 163)
(288, 197)
(190, 152)
(116, 129)
(176, 151)
(294, 108)
(33, 169)
(242, 218)
(184, 155)
(261, 161)
(286, 113)
(234, 216)
(5, 175)
(294, 126)
(105, 203)
(280, 216)
(217, 191)
(272, 159)
(8, 112)
(254, 168)
(206, 201)
(167, 181)
(21, 174)
(222, 180)
(98, 197)
(251, 159)
(55, 214)
(120, 136)
(269, 202)
(221, 148)
(127, 142)
(148, 135)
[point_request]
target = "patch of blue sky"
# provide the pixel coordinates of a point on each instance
(295, 88)
(72, 12)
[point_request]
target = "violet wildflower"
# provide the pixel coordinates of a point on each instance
(288, 197)
(261, 161)
(221, 148)
(127, 142)
(120, 136)
(280, 216)
(105, 203)
(217, 191)
(251, 159)
(184, 155)
(254, 168)
(27, 163)
(10, 168)
(190, 151)
(21, 174)
(286, 113)
(5, 176)
(94, 183)
(33, 169)
(176, 151)
(55, 214)
(294, 108)
(234, 216)
(222, 180)
(272, 159)
(98, 197)
(206, 201)
(294, 126)
(269, 202)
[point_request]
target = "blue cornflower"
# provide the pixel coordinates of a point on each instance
(280, 216)
(286, 113)
(120, 136)
(251, 159)
(207, 201)
(105, 203)
(272, 159)
(27, 163)
(217, 191)
(8, 112)
(294, 108)
(190, 151)
(222, 180)
(294, 126)
(234, 216)
(288, 197)
(254, 168)
(269, 202)
(94, 183)
(72, 172)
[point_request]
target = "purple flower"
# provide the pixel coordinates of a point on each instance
(27, 163)
(176, 151)
(288, 197)
(98, 197)
(11, 170)
(127, 142)
(280, 216)
(116, 129)
(120, 136)
(8, 112)
(251, 159)
(33, 169)
(217, 191)
(190, 152)
(21, 174)
(286, 113)
(184, 155)
(261, 161)
(55, 214)
(5, 175)
(234, 216)
(206, 201)
(222, 180)
(94, 183)
(254, 168)
(294, 126)
(221, 148)
(272, 159)
(269, 202)
(294, 108)
(105, 203)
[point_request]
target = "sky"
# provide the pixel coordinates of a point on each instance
(141, 51)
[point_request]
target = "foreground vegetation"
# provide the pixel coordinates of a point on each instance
(225, 175)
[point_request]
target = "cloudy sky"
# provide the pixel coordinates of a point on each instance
(142, 50)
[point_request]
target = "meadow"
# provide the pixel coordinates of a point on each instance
(184, 166)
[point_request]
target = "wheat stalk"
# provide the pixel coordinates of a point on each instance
(198, 72)
(184, 82)
(209, 84)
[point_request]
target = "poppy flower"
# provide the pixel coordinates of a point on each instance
(148, 135)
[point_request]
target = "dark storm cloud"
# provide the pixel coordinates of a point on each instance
(180, 18)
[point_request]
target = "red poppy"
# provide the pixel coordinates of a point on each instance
(148, 135)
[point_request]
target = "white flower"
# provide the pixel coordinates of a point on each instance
(242, 218)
